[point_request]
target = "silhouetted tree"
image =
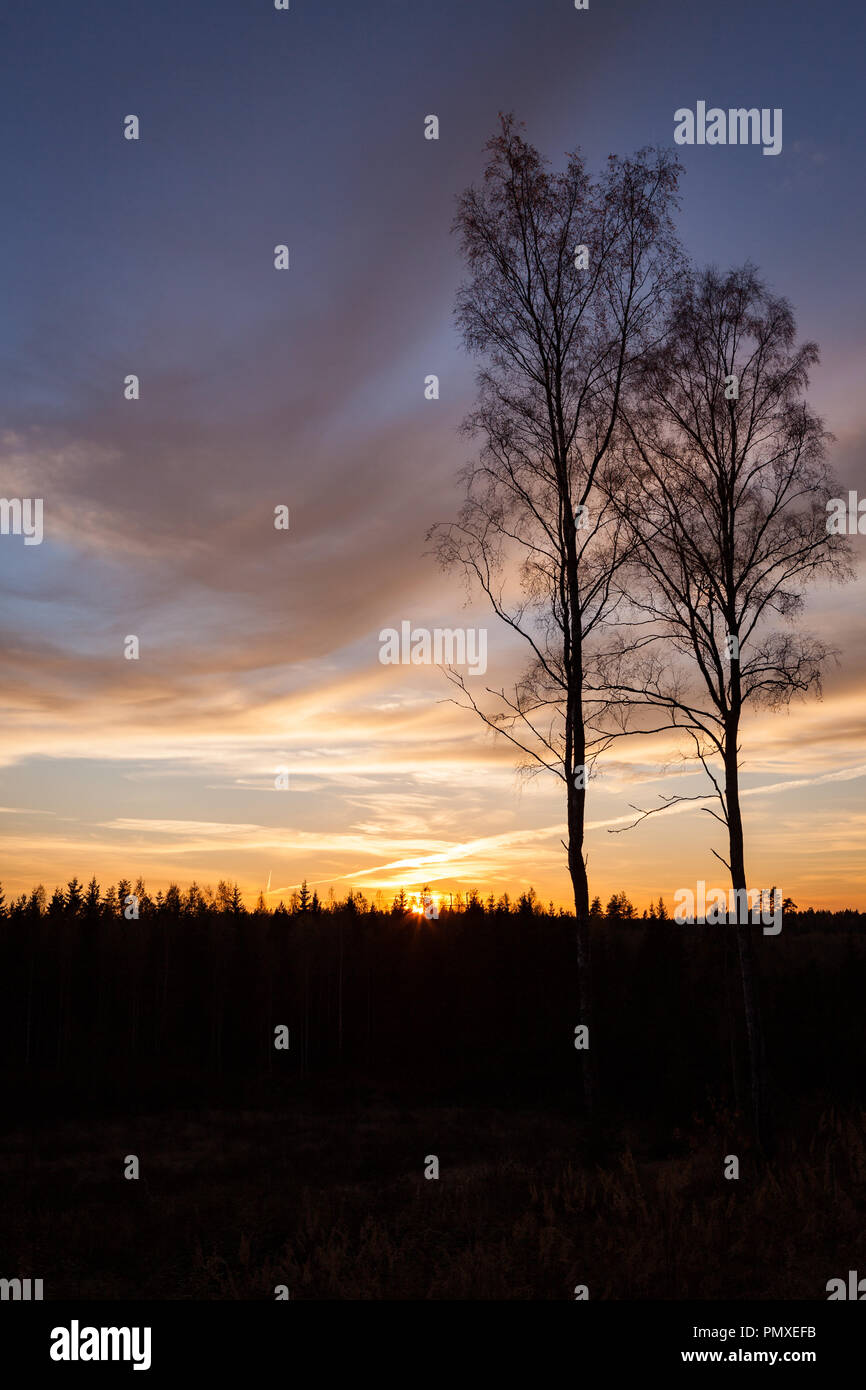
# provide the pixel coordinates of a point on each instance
(193, 902)
(619, 908)
(223, 899)
(568, 280)
(173, 902)
(74, 901)
(527, 903)
(109, 906)
(145, 903)
(728, 512)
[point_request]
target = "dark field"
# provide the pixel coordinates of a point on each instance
(306, 1168)
(230, 1204)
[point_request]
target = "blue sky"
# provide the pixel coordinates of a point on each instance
(306, 388)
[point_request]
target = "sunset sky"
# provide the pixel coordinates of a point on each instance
(259, 648)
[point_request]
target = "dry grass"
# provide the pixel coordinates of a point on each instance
(230, 1205)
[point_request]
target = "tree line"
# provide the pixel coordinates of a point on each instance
(78, 900)
(97, 1013)
(89, 900)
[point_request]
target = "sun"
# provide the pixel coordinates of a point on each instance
(425, 904)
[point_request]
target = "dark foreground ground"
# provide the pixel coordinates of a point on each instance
(305, 1167)
(229, 1205)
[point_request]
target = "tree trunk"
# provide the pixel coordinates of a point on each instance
(580, 887)
(575, 762)
(751, 1003)
(340, 1000)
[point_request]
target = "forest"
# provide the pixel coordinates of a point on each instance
(263, 1163)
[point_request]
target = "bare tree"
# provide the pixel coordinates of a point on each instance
(569, 283)
(727, 507)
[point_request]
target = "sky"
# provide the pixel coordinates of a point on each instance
(259, 388)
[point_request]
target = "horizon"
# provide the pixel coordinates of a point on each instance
(455, 900)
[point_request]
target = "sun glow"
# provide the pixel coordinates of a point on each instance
(425, 904)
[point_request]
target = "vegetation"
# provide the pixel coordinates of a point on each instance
(407, 1037)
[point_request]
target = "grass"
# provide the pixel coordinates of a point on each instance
(230, 1204)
